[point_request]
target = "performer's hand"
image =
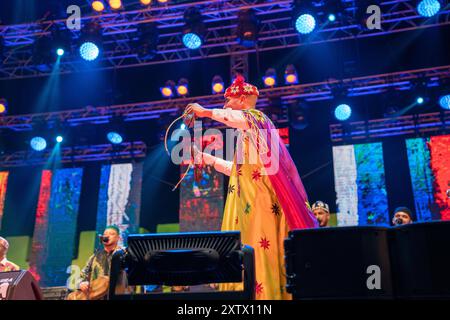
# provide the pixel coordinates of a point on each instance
(198, 110)
(84, 286)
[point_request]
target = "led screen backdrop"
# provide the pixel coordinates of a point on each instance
(55, 226)
(360, 185)
(3, 186)
(429, 165)
(119, 200)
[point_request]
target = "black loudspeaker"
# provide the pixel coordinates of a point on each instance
(184, 259)
(19, 285)
(420, 256)
(338, 263)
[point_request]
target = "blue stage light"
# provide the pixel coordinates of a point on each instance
(60, 52)
(114, 137)
(420, 100)
(183, 126)
(428, 8)
(38, 143)
(343, 112)
(331, 17)
(89, 51)
(59, 139)
(192, 41)
(305, 23)
(444, 102)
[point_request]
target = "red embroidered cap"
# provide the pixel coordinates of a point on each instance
(239, 87)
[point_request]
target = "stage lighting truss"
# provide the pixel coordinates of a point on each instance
(367, 85)
(276, 31)
(76, 154)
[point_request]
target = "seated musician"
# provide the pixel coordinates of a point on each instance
(98, 265)
(6, 265)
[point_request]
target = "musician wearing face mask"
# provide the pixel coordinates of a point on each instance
(98, 265)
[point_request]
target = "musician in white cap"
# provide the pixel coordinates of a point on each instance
(322, 213)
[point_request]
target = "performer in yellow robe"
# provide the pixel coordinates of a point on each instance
(253, 203)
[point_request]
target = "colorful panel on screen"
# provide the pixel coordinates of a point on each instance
(119, 198)
(3, 186)
(55, 225)
(201, 194)
(429, 164)
(360, 185)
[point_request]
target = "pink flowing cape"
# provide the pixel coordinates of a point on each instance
(286, 181)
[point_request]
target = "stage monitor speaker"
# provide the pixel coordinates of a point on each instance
(185, 259)
(338, 263)
(19, 285)
(420, 256)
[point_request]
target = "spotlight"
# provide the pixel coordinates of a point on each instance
(146, 46)
(59, 139)
(98, 5)
(270, 79)
(428, 8)
(248, 27)
(145, 2)
(192, 41)
(38, 143)
(3, 106)
(114, 137)
(168, 90)
(90, 41)
(303, 16)
(305, 23)
(183, 87)
(290, 75)
(163, 1)
(217, 85)
(444, 102)
(420, 100)
(343, 112)
(194, 29)
(89, 51)
(115, 4)
(60, 52)
(183, 126)
(331, 17)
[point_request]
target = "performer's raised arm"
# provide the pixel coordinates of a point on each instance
(232, 118)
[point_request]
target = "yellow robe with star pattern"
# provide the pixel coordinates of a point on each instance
(252, 208)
